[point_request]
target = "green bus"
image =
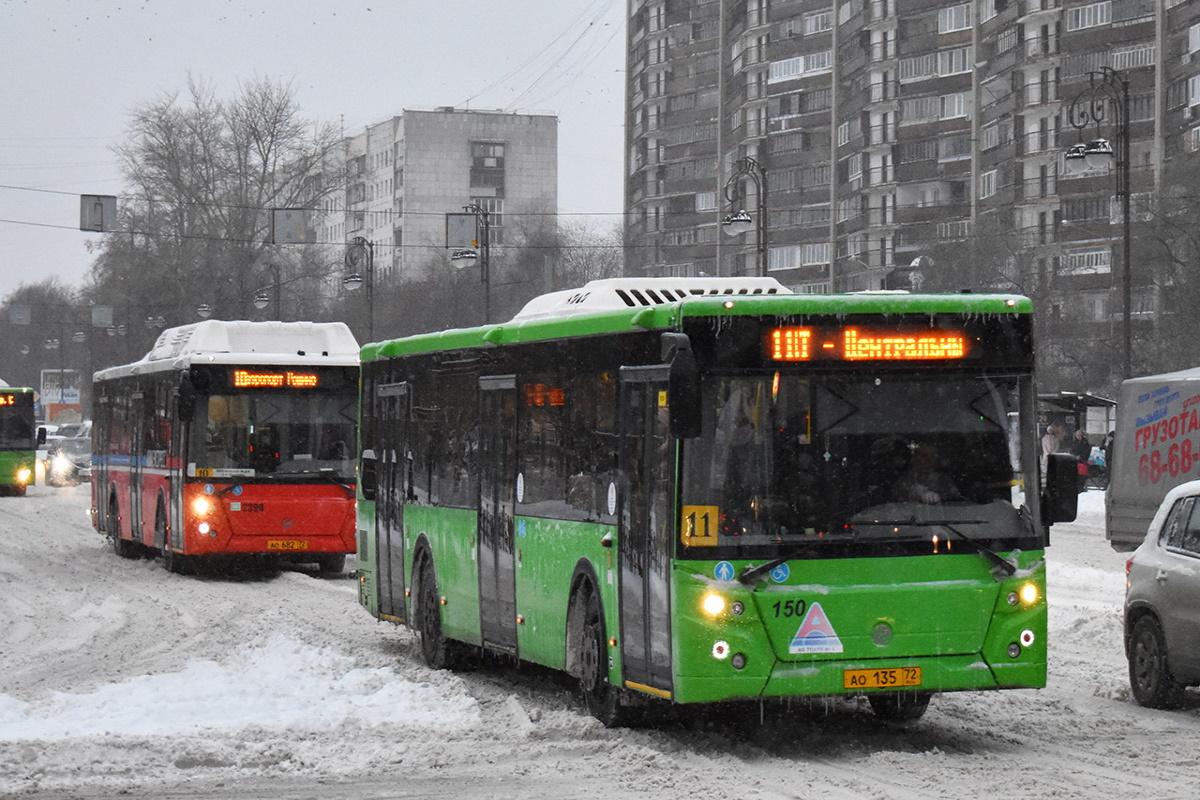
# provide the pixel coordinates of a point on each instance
(702, 490)
(18, 439)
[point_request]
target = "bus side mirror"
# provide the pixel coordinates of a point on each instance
(683, 386)
(1060, 501)
(187, 399)
(367, 474)
(41, 437)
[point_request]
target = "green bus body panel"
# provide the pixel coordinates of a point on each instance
(953, 621)
(13, 460)
(451, 533)
(669, 315)
(367, 557)
(548, 552)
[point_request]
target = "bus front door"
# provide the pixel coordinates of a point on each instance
(497, 500)
(391, 448)
(646, 521)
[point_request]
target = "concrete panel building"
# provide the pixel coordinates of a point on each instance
(396, 179)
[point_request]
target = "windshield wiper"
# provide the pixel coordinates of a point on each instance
(1000, 561)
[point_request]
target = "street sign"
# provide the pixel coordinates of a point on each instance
(461, 233)
(102, 316)
(98, 212)
(291, 226)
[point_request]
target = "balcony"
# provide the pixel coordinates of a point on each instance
(1029, 9)
(880, 11)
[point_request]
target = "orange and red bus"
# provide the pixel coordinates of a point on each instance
(229, 439)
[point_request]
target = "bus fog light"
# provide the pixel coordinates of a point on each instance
(1012, 598)
(1029, 593)
(712, 604)
(1014, 650)
(720, 650)
(737, 608)
(738, 661)
(204, 528)
(1027, 638)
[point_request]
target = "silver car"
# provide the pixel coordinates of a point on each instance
(1162, 602)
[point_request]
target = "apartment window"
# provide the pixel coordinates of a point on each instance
(918, 109)
(1007, 40)
(818, 23)
(1194, 38)
(789, 142)
(1089, 16)
(920, 150)
(797, 66)
(1192, 140)
(987, 10)
(1193, 93)
(953, 62)
(989, 136)
(987, 184)
(854, 167)
(954, 105)
(843, 134)
(797, 255)
(494, 206)
(818, 62)
(1092, 306)
(1087, 261)
(954, 146)
(1139, 55)
(706, 201)
(955, 18)
(954, 230)
(919, 67)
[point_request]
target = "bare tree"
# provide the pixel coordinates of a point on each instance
(205, 173)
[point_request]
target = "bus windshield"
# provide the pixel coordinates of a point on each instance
(16, 427)
(263, 434)
(869, 462)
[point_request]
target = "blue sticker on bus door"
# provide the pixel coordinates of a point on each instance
(815, 634)
(781, 573)
(723, 571)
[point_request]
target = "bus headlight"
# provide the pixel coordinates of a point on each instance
(1029, 593)
(712, 604)
(201, 506)
(23, 475)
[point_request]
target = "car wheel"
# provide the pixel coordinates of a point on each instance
(603, 700)
(899, 706)
(437, 651)
(124, 548)
(1150, 677)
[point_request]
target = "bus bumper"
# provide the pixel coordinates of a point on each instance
(825, 678)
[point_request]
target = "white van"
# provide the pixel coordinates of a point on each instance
(1157, 447)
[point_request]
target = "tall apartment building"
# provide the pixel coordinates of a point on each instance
(395, 180)
(892, 129)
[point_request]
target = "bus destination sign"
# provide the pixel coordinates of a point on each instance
(795, 343)
(7, 399)
(287, 379)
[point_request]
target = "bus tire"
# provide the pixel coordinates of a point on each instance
(437, 651)
(171, 561)
(604, 701)
(124, 548)
(899, 706)
(331, 563)
(1150, 677)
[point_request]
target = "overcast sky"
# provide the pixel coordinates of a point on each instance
(71, 71)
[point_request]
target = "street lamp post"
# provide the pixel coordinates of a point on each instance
(361, 253)
(1107, 88)
(738, 221)
(262, 299)
(466, 257)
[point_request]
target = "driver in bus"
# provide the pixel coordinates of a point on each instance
(926, 480)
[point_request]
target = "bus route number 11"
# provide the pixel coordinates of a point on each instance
(698, 526)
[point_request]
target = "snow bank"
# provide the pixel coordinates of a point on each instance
(282, 684)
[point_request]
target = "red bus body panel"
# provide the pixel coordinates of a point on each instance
(270, 518)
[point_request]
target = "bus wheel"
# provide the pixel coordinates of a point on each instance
(1150, 677)
(603, 700)
(122, 547)
(436, 650)
(171, 561)
(899, 706)
(331, 564)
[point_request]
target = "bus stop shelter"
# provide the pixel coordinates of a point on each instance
(1096, 415)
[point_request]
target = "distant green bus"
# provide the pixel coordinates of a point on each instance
(701, 490)
(19, 438)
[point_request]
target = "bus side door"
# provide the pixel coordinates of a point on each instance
(497, 505)
(391, 446)
(647, 461)
(137, 462)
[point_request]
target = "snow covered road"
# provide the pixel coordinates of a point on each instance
(117, 678)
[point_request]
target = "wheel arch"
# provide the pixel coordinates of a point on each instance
(1137, 611)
